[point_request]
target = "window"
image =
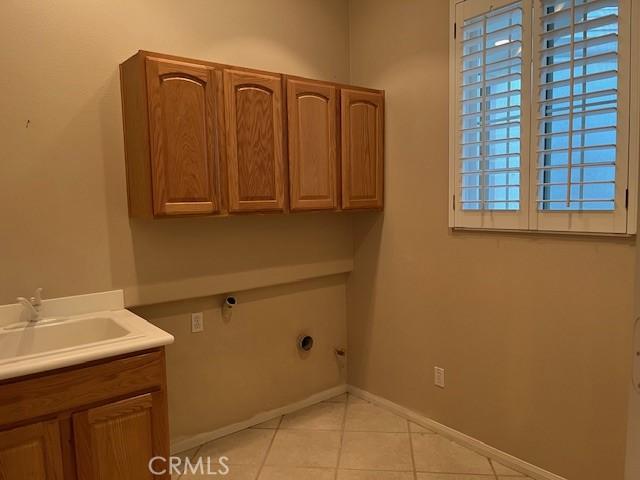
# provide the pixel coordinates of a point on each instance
(540, 115)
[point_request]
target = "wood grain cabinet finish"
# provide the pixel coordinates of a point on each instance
(31, 453)
(255, 154)
(182, 119)
(204, 138)
(101, 421)
(174, 169)
(362, 114)
(312, 117)
(118, 440)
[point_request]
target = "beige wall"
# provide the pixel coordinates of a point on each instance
(63, 200)
(249, 364)
(533, 330)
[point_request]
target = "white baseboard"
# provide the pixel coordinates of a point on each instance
(459, 437)
(183, 444)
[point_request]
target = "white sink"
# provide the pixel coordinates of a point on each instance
(49, 336)
(62, 341)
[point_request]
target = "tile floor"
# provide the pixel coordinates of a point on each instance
(346, 438)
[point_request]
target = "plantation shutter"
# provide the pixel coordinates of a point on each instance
(580, 143)
(492, 89)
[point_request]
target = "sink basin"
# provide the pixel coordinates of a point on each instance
(50, 336)
(74, 330)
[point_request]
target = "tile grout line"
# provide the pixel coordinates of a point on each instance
(493, 468)
(344, 424)
(195, 455)
(413, 457)
(266, 454)
(348, 401)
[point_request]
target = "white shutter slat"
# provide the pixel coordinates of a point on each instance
(564, 9)
(581, 27)
(577, 63)
(588, 43)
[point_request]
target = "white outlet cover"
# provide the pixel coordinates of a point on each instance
(438, 376)
(197, 322)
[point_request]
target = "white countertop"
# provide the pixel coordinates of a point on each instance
(74, 330)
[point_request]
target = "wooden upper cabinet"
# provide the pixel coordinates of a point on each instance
(32, 452)
(203, 138)
(173, 125)
(362, 113)
(255, 156)
(182, 132)
(312, 117)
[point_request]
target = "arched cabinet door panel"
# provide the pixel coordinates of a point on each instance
(362, 149)
(313, 157)
(255, 154)
(183, 136)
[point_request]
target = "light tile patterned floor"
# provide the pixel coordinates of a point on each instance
(346, 438)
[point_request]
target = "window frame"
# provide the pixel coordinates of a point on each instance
(623, 220)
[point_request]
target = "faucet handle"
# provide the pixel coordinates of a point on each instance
(36, 300)
(30, 309)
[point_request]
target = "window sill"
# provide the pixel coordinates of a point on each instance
(620, 236)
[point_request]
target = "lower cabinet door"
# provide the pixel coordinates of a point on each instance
(31, 453)
(118, 441)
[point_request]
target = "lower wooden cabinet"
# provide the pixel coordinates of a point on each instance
(117, 440)
(32, 452)
(109, 432)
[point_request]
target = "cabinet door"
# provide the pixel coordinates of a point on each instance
(312, 112)
(118, 440)
(362, 149)
(31, 453)
(183, 131)
(255, 160)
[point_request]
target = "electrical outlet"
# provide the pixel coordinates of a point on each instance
(438, 377)
(197, 322)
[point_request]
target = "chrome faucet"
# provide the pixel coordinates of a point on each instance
(32, 305)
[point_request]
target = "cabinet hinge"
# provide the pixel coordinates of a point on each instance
(454, 202)
(626, 198)
(455, 30)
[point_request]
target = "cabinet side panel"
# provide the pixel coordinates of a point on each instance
(136, 136)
